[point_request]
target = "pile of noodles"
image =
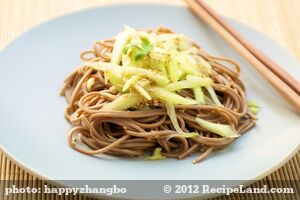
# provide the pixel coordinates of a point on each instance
(135, 132)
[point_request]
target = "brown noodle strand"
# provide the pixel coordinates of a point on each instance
(203, 155)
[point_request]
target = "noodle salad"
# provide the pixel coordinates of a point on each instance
(155, 94)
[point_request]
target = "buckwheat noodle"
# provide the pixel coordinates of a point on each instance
(134, 132)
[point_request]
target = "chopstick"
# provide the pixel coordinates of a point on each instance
(270, 64)
(286, 85)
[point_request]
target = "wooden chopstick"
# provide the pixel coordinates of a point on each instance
(286, 91)
(270, 64)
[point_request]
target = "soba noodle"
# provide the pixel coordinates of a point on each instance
(134, 132)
